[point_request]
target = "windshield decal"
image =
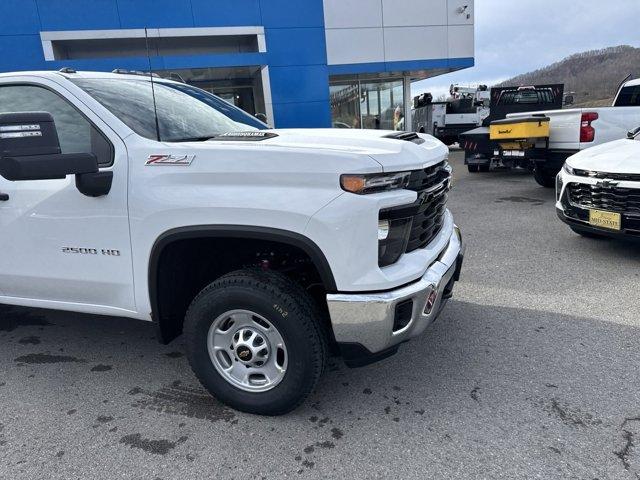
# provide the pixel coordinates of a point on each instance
(182, 160)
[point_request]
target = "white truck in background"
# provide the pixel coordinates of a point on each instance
(576, 129)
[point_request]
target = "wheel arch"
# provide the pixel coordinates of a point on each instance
(284, 237)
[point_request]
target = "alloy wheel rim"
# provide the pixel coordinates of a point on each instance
(247, 350)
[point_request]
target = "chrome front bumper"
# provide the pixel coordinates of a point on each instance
(367, 320)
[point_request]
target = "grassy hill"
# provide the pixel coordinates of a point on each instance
(594, 76)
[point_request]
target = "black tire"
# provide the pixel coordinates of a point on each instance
(473, 168)
(544, 177)
(483, 168)
(586, 233)
(289, 308)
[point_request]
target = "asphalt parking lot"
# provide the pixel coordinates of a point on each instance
(531, 372)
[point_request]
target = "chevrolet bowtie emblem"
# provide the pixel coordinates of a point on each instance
(607, 184)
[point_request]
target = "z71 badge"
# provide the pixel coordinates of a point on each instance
(180, 160)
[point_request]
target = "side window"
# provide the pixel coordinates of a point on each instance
(75, 132)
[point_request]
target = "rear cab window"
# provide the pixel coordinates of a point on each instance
(629, 97)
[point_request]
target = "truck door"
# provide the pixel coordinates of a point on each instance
(56, 244)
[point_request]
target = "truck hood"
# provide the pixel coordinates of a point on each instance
(620, 156)
(393, 151)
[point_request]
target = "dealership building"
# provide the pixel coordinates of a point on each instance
(302, 63)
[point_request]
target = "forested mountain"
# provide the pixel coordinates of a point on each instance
(594, 75)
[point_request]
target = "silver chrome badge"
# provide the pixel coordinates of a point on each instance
(181, 160)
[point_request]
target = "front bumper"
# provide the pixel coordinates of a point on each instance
(363, 323)
(577, 216)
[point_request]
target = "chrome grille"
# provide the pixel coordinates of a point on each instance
(609, 198)
(432, 184)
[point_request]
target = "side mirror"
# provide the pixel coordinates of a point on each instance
(631, 134)
(30, 150)
(262, 117)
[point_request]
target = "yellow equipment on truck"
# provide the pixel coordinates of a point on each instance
(520, 134)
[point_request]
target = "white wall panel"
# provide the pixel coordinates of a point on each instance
(355, 45)
(404, 13)
(367, 31)
(352, 13)
(461, 41)
(415, 43)
(464, 18)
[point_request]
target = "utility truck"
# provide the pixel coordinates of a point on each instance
(133, 196)
(466, 108)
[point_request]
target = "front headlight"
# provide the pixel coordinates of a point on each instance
(568, 169)
(559, 185)
(374, 183)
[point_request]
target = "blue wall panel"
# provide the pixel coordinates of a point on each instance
(226, 13)
(296, 46)
(78, 14)
(303, 115)
(299, 84)
(21, 52)
(292, 13)
(155, 13)
(18, 17)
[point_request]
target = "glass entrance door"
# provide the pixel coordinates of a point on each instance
(374, 104)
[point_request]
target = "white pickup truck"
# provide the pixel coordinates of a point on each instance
(269, 249)
(576, 129)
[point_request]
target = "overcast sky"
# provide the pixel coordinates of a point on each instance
(518, 36)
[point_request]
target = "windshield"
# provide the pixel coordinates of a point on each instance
(181, 116)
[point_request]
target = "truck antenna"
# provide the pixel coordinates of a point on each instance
(153, 91)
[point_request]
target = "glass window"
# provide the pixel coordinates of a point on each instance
(383, 105)
(629, 97)
(345, 105)
(181, 117)
(75, 133)
(528, 96)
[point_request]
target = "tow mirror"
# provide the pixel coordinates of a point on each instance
(30, 150)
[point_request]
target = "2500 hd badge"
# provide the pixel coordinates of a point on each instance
(91, 251)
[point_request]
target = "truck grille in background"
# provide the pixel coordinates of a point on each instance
(432, 184)
(613, 199)
(631, 177)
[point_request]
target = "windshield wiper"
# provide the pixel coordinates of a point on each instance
(204, 138)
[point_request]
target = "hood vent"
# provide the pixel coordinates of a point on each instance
(406, 137)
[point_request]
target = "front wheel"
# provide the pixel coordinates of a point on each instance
(544, 177)
(255, 341)
(473, 168)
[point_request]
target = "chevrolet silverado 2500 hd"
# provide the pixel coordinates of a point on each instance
(267, 248)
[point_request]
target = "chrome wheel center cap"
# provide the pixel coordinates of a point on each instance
(250, 347)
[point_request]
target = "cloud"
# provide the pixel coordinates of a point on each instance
(514, 37)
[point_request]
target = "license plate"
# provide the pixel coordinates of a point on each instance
(610, 220)
(514, 153)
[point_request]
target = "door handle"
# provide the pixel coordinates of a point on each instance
(4, 197)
